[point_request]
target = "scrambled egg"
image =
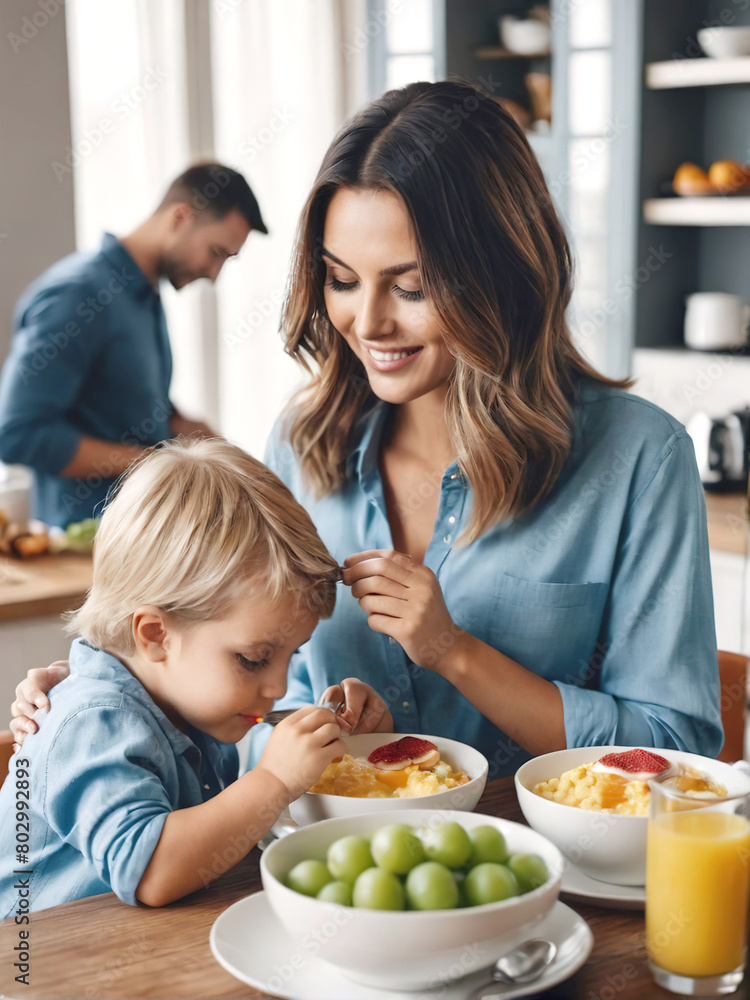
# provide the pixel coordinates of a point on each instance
(610, 793)
(356, 777)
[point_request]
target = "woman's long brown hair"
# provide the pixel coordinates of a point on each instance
(496, 267)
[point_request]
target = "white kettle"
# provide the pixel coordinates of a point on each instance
(715, 321)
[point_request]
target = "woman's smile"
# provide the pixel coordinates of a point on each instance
(389, 361)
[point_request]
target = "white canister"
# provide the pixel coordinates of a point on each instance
(15, 491)
(715, 321)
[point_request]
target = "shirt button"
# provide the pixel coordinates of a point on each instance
(207, 787)
(454, 475)
(447, 539)
(406, 704)
(451, 519)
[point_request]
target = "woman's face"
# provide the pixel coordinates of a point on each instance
(374, 297)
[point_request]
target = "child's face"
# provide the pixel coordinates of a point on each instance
(221, 675)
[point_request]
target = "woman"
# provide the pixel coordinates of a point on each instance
(524, 543)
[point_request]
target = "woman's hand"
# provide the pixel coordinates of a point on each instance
(365, 712)
(301, 747)
(403, 599)
(31, 694)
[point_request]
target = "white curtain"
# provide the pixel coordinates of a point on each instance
(278, 72)
(130, 138)
(284, 74)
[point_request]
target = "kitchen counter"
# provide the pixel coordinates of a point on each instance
(727, 522)
(47, 585)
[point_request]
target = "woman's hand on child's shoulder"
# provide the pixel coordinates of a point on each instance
(31, 694)
(365, 710)
(301, 747)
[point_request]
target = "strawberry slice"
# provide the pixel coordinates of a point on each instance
(401, 753)
(637, 765)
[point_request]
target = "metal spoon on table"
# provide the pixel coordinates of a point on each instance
(522, 965)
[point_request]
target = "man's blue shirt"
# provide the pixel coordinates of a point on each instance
(90, 357)
(106, 769)
(604, 589)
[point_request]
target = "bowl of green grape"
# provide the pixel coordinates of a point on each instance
(414, 901)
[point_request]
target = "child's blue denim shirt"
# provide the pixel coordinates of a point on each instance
(105, 770)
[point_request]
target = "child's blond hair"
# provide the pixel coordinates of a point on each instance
(190, 523)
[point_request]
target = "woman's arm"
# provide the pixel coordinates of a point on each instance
(652, 678)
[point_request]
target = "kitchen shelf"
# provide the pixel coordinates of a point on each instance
(697, 73)
(709, 211)
(498, 52)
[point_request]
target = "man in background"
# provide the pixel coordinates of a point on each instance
(85, 387)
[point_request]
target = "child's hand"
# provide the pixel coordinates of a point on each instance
(301, 747)
(366, 712)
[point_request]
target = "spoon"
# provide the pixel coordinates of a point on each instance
(522, 965)
(276, 716)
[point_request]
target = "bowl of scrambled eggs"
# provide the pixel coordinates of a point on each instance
(353, 785)
(597, 815)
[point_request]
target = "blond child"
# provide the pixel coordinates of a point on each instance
(208, 575)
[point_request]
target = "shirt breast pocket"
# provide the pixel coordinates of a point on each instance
(550, 628)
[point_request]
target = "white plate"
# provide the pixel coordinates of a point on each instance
(590, 890)
(250, 943)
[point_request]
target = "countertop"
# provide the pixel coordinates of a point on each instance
(50, 585)
(47, 585)
(727, 522)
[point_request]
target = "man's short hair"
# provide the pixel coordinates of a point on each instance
(215, 188)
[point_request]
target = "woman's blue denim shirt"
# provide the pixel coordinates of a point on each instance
(604, 589)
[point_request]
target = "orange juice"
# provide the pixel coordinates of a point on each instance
(697, 891)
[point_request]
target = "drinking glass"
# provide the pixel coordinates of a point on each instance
(697, 880)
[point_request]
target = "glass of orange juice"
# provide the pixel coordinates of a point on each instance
(697, 881)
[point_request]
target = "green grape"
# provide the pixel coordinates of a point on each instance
(448, 844)
(80, 534)
(396, 848)
(348, 856)
(529, 869)
(489, 882)
(308, 877)
(487, 844)
(376, 889)
(431, 886)
(336, 892)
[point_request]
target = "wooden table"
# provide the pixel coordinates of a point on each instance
(99, 947)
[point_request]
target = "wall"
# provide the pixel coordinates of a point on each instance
(36, 208)
(683, 382)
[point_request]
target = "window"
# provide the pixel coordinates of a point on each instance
(403, 42)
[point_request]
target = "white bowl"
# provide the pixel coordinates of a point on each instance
(405, 950)
(724, 42)
(314, 806)
(524, 36)
(607, 847)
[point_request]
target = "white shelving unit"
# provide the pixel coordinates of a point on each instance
(697, 73)
(708, 211)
